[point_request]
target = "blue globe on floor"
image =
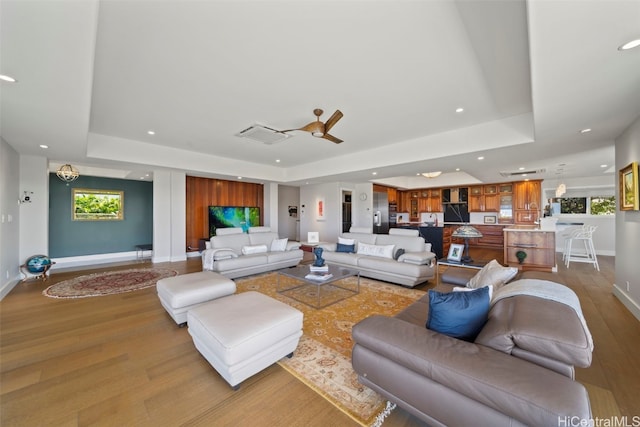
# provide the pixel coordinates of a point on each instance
(38, 264)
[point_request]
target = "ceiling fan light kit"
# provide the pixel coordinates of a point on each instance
(319, 129)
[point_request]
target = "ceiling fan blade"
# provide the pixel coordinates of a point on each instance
(331, 138)
(332, 120)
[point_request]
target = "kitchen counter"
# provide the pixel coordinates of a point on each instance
(529, 247)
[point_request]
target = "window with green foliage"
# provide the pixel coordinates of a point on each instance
(97, 205)
(603, 205)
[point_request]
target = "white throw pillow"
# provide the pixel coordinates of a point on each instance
(224, 253)
(254, 249)
(461, 289)
(383, 251)
(344, 241)
(492, 274)
(279, 245)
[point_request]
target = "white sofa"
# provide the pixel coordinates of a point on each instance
(233, 253)
(376, 256)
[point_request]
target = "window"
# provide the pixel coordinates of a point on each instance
(603, 205)
(97, 205)
(593, 205)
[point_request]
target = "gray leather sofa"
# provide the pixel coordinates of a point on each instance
(519, 371)
(414, 266)
(233, 253)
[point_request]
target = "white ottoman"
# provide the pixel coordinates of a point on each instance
(242, 334)
(178, 294)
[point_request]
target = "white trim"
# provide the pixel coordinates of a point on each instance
(7, 287)
(75, 261)
(624, 298)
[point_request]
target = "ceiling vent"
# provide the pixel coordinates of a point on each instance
(262, 133)
(520, 173)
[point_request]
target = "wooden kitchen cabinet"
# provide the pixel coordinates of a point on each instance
(538, 245)
(484, 198)
(492, 236)
(429, 201)
(392, 195)
(526, 201)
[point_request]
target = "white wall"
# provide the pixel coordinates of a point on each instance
(271, 206)
(362, 209)
(628, 228)
(9, 218)
(288, 226)
(34, 216)
(169, 216)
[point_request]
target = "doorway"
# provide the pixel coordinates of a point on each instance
(346, 211)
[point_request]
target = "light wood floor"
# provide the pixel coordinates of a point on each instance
(121, 360)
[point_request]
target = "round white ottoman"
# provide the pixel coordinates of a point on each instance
(242, 334)
(179, 294)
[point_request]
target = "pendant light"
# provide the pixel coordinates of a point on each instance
(67, 173)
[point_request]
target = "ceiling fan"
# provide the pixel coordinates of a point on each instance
(319, 129)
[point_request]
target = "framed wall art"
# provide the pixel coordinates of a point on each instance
(97, 205)
(629, 187)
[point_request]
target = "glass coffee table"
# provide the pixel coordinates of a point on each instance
(343, 283)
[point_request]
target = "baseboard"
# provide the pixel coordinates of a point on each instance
(77, 261)
(7, 287)
(193, 254)
(624, 298)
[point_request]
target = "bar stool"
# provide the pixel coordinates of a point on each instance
(568, 234)
(589, 255)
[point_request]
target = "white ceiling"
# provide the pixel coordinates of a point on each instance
(95, 76)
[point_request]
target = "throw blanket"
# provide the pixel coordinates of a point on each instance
(547, 290)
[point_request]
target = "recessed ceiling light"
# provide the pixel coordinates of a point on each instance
(277, 160)
(585, 130)
(457, 169)
(374, 173)
(151, 132)
(44, 146)
(481, 158)
(630, 45)
(521, 168)
(6, 78)
(524, 174)
(603, 166)
(239, 177)
(459, 110)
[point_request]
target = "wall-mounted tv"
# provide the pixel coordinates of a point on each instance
(232, 216)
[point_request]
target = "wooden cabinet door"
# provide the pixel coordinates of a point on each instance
(475, 203)
(491, 203)
(435, 204)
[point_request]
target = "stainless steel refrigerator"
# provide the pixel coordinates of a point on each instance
(380, 213)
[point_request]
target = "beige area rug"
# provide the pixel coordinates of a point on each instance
(323, 357)
(108, 283)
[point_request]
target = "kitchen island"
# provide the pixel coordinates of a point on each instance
(528, 247)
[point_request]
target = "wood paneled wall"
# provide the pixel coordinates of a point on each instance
(205, 192)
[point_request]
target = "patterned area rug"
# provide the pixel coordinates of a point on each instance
(114, 282)
(323, 357)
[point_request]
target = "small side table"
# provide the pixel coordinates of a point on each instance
(141, 249)
(476, 265)
(309, 247)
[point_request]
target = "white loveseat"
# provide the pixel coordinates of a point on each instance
(401, 257)
(233, 253)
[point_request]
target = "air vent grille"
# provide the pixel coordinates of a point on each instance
(520, 173)
(262, 133)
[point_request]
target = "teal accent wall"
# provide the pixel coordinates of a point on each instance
(75, 238)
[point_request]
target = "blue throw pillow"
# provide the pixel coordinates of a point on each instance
(458, 314)
(345, 248)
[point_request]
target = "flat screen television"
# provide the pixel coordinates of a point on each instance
(233, 216)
